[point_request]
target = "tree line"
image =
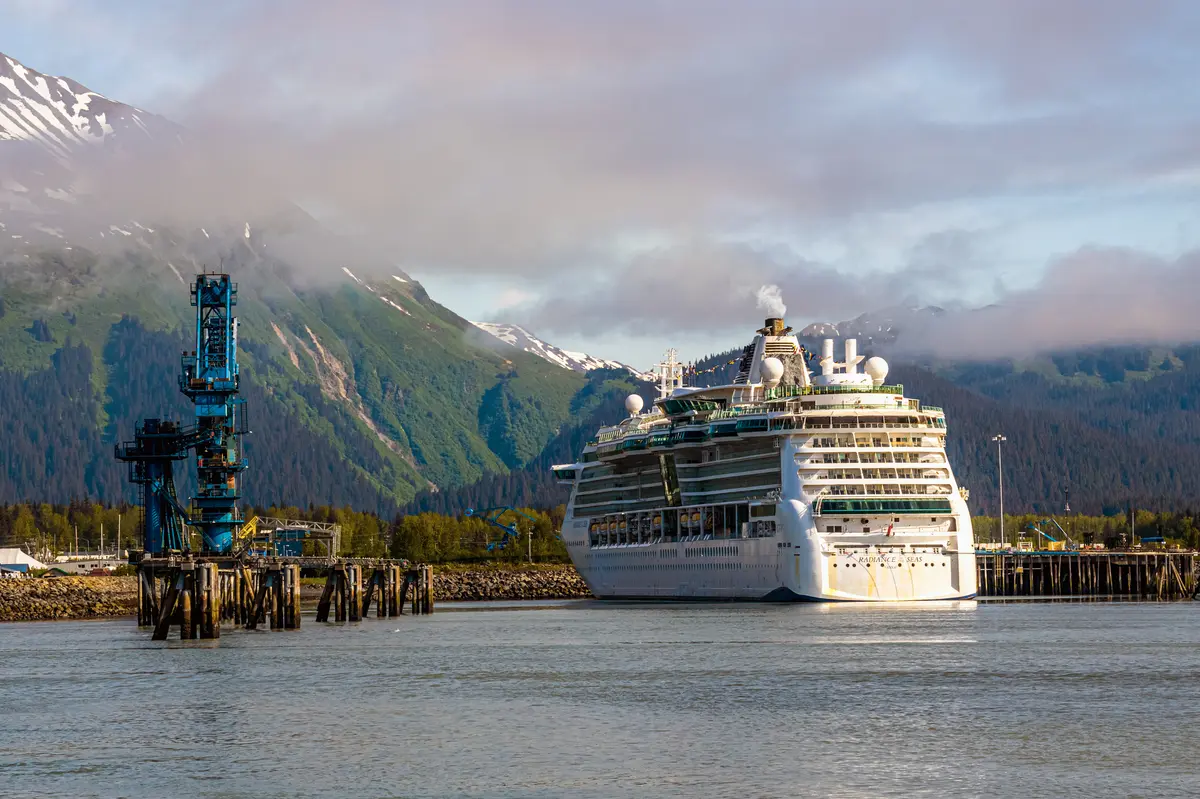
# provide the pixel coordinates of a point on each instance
(429, 537)
(47, 530)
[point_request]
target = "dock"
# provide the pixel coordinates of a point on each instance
(1087, 573)
(200, 594)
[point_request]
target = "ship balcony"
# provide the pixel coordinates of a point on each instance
(878, 487)
(876, 475)
(871, 461)
(761, 489)
(816, 448)
(867, 506)
(732, 475)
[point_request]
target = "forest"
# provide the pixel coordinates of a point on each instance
(429, 537)
(48, 530)
(1104, 429)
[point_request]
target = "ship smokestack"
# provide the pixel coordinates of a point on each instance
(774, 326)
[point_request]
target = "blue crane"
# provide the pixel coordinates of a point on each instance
(492, 516)
(210, 380)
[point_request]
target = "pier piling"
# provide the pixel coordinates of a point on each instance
(201, 594)
(1088, 573)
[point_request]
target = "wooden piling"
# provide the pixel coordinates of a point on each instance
(369, 592)
(186, 628)
(326, 597)
(354, 577)
(293, 615)
(1143, 575)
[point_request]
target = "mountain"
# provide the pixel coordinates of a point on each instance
(522, 339)
(360, 388)
(57, 116)
(876, 327)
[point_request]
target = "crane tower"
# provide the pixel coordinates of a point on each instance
(210, 380)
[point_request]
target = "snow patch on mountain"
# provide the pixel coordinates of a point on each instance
(876, 327)
(522, 339)
(59, 115)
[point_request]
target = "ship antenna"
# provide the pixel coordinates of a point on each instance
(669, 372)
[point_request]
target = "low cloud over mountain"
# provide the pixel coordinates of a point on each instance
(647, 167)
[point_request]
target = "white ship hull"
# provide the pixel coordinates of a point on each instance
(798, 564)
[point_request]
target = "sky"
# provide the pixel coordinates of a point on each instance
(624, 176)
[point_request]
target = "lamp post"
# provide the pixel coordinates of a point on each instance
(1000, 439)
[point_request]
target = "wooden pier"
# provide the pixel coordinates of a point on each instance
(200, 594)
(1087, 573)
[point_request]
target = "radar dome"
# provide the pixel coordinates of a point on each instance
(633, 404)
(877, 368)
(771, 370)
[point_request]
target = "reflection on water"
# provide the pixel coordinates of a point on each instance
(598, 700)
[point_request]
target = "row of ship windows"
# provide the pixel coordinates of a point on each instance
(874, 457)
(688, 552)
(936, 422)
(761, 423)
(708, 522)
(879, 474)
(698, 435)
(855, 565)
(873, 441)
(887, 489)
(709, 566)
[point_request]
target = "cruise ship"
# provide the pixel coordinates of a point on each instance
(789, 484)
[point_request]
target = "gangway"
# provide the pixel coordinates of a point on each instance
(268, 536)
(1063, 543)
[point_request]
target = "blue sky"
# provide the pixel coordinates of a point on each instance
(624, 176)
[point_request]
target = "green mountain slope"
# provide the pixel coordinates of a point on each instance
(359, 390)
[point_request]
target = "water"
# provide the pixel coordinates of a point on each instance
(599, 700)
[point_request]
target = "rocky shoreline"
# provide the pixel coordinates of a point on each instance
(39, 599)
(490, 584)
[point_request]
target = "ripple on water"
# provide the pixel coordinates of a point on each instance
(594, 700)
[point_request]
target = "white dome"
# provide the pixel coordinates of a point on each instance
(771, 370)
(633, 404)
(877, 368)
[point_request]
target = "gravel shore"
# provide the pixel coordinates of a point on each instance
(486, 584)
(38, 599)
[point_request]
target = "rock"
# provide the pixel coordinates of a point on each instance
(561, 582)
(67, 598)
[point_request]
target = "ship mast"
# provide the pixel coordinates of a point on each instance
(669, 372)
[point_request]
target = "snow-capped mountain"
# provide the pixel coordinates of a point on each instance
(522, 339)
(876, 327)
(54, 133)
(59, 115)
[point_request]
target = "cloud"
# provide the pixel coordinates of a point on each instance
(703, 286)
(531, 139)
(1091, 296)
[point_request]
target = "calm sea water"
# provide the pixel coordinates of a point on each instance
(597, 700)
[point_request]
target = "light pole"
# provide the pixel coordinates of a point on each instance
(1000, 439)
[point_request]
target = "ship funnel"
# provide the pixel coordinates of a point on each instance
(774, 326)
(851, 356)
(827, 356)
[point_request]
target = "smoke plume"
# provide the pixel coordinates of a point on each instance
(770, 300)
